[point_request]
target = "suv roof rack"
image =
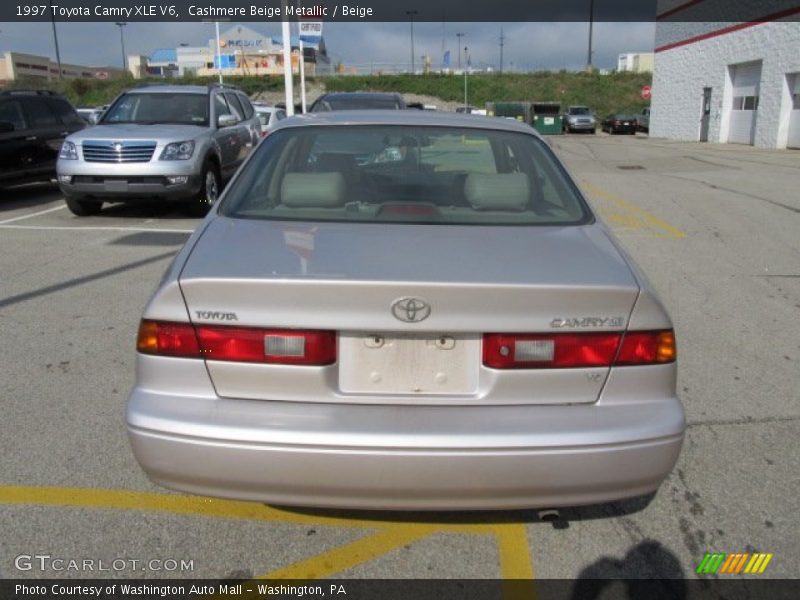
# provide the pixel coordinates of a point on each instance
(224, 86)
(20, 92)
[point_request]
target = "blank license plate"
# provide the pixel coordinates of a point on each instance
(115, 185)
(408, 364)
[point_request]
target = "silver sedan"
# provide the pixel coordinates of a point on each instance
(405, 310)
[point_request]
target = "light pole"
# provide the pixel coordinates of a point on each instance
(219, 53)
(459, 36)
(591, 22)
(466, 69)
(122, 43)
(55, 39)
(411, 14)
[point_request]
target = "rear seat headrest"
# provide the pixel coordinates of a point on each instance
(313, 190)
(506, 191)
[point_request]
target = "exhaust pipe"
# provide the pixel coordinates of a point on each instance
(548, 515)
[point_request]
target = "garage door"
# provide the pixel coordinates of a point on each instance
(746, 80)
(794, 116)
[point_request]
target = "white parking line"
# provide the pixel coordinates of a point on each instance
(36, 214)
(90, 228)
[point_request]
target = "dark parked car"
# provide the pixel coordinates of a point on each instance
(33, 125)
(358, 101)
(620, 123)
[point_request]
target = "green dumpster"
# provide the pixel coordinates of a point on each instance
(547, 118)
(521, 111)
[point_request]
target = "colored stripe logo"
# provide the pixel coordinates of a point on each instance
(734, 564)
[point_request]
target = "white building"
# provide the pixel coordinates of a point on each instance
(637, 62)
(242, 51)
(728, 82)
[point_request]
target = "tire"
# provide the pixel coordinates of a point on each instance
(210, 187)
(83, 208)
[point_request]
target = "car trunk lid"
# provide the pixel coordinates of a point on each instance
(350, 277)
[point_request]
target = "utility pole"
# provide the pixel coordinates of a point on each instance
(466, 70)
(502, 43)
(411, 14)
(219, 53)
(591, 22)
(122, 43)
(459, 36)
(55, 40)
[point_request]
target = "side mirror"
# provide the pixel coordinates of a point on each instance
(6, 127)
(226, 120)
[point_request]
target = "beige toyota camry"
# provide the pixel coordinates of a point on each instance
(405, 310)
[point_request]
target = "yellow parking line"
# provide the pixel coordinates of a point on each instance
(514, 552)
(633, 216)
(345, 557)
(515, 555)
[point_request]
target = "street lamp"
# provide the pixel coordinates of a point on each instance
(55, 40)
(122, 43)
(459, 36)
(411, 14)
(466, 69)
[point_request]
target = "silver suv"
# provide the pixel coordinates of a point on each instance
(171, 142)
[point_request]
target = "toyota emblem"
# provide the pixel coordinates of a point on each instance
(411, 310)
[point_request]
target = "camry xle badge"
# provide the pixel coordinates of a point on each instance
(411, 310)
(558, 323)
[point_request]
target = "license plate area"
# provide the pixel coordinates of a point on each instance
(115, 185)
(417, 364)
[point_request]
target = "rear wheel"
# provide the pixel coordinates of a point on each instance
(83, 208)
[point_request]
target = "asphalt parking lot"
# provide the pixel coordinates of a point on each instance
(716, 229)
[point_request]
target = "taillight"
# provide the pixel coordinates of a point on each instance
(239, 344)
(542, 351)
(284, 346)
(647, 347)
(576, 350)
(167, 339)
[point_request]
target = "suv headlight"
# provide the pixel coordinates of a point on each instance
(178, 151)
(68, 151)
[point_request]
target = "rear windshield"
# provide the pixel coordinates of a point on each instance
(579, 110)
(358, 103)
(391, 174)
(161, 107)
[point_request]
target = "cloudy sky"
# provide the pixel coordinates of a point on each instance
(527, 45)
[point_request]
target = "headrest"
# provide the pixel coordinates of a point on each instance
(507, 191)
(313, 190)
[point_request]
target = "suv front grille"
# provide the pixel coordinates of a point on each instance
(118, 152)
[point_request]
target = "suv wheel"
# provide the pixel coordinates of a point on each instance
(209, 190)
(83, 208)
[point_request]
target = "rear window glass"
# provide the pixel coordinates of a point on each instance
(408, 174)
(357, 103)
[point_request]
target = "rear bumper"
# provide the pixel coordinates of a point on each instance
(404, 457)
(581, 126)
(408, 479)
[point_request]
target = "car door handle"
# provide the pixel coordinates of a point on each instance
(30, 138)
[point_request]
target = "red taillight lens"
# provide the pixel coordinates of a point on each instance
(239, 344)
(576, 350)
(284, 346)
(647, 348)
(542, 351)
(167, 339)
